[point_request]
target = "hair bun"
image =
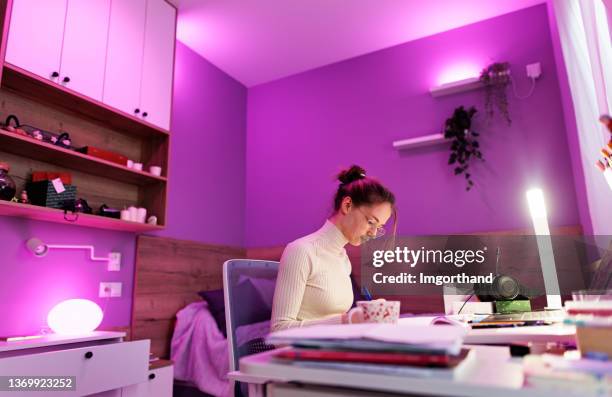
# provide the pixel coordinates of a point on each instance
(354, 173)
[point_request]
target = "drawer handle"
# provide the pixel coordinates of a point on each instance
(136, 111)
(66, 79)
(54, 74)
(88, 355)
(145, 114)
(151, 376)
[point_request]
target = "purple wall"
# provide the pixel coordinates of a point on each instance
(304, 128)
(30, 286)
(207, 170)
(205, 203)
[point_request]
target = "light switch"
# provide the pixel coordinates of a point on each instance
(110, 290)
(114, 262)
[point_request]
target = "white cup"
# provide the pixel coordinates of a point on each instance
(130, 164)
(125, 215)
(155, 170)
(133, 213)
(137, 166)
(376, 311)
(141, 215)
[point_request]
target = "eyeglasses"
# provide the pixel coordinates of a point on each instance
(379, 230)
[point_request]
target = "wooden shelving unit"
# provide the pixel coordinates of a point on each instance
(42, 151)
(41, 103)
(33, 212)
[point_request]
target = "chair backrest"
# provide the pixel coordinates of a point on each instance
(237, 299)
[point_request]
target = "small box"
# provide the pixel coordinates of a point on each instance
(104, 154)
(38, 176)
(516, 306)
(594, 340)
(43, 193)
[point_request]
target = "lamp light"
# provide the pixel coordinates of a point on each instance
(537, 209)
(74, 317)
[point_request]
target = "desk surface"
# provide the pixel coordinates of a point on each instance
(494, 373)
(539, 334)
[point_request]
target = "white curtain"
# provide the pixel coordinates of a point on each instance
(585, 38)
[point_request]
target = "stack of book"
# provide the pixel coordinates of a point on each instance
(420, 351)
(570, 374)
(593, 320)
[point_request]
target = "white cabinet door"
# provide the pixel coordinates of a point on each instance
(84, 50)
(158, 63)
(124, 55)
(35, 36)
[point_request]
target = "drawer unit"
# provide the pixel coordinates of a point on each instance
(97, 368)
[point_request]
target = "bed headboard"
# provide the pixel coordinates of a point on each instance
(169, 274)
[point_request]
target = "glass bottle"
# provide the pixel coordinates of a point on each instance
(7, 184)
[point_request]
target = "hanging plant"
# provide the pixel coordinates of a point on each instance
(496, 78)
(464, 142)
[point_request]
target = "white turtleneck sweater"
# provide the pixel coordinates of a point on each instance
(313, 284)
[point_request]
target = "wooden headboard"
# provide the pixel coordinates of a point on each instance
(169, 273)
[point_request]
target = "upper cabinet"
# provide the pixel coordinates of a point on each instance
(124, 55)
(119, 52)
(158, 61)
(84, 49)
(35, 36)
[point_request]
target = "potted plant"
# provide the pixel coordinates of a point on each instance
(496, 78)
(464, 142)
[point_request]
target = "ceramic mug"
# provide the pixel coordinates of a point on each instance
(376, 311)
(155, 170)
(137, 166)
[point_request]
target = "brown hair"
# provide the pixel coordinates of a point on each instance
(362, 190)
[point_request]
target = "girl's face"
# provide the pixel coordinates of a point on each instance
(364, 222)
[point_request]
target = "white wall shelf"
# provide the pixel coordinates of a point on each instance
(473, 83)
(427, 140)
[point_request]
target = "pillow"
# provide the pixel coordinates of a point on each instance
(264, 286)
(252, 308)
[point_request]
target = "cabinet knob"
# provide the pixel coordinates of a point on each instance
(88, 355)
(145, 114)
(66, 79)
(151, 376)
(54, 74)
(136, 111)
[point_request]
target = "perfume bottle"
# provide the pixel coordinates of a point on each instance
(7, 184)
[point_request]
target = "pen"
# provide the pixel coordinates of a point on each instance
(600, 165)
(366, 293)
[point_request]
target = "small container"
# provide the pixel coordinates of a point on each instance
(7, 184)
(125, 215)
(137, 166)
(141, 215)
(155, 170)
(133, 213)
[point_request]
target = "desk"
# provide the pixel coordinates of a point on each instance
(559, 333)
(495, 373)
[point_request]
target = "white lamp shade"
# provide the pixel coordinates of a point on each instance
(74, 317)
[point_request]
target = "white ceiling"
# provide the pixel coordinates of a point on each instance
(257, 41)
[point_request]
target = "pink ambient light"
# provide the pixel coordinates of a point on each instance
(74, 316)
(459, 72)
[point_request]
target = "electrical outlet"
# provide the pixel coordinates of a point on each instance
(114, 261)
(110, 290)
(534, 70)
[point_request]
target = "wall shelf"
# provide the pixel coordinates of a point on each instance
(28, 211)
(46, 152)
(427, 140)
(455, 87)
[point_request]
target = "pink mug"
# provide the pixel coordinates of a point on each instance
(376, 311)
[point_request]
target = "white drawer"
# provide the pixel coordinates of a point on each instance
(97, 368)
(159, 384)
